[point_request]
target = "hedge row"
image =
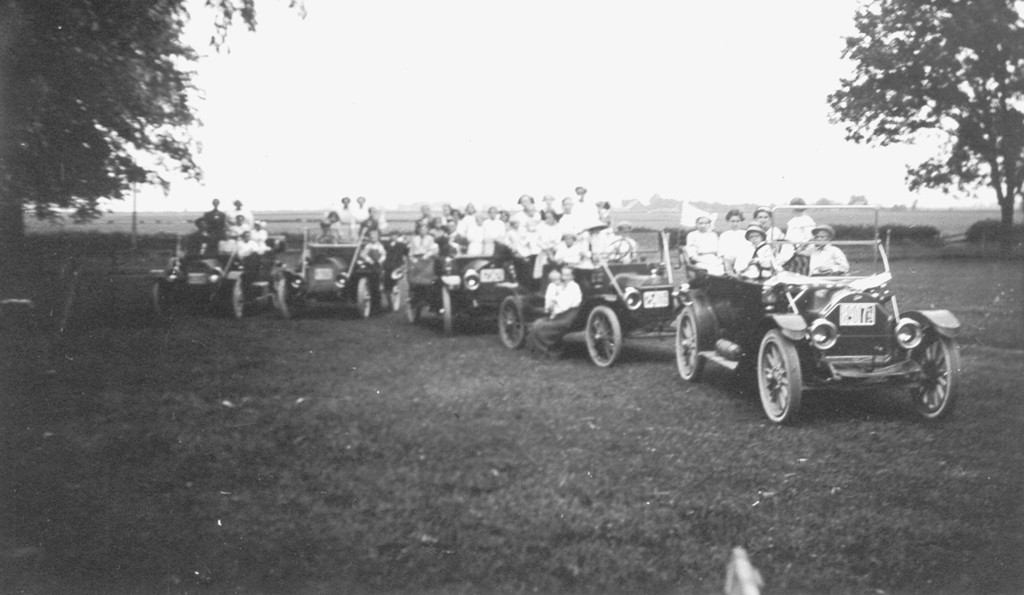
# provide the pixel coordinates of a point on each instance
(991, 231)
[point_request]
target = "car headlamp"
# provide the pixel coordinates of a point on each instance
(341, 280)
(296, 283)
(632, 297)
(471, 280)
(823, 334)
(214, 277)
(909, 333)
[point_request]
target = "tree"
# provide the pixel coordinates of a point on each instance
(91, 93)
(951, 68)
(858, 199)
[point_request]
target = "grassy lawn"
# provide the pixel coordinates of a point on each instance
(331, 454)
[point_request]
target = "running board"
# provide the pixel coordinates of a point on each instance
(712, 356)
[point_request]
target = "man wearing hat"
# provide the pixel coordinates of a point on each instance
(825, 258)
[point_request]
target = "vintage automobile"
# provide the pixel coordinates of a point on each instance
(220, 283)
(801, 333)
(327, 272)
(629, 292)
(459, 286)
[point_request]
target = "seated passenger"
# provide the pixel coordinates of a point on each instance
(755, 262)
(328, 234)
(702, 247)
(571, 252)
(562, 302)
(826, 259)
(731, 242)
(202, 243)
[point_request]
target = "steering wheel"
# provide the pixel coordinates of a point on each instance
(619, 251)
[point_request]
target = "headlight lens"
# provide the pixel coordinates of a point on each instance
(909, 333)
(471, 280)
(214, 278)
(633, 298)
(823, 334)
(341, 280)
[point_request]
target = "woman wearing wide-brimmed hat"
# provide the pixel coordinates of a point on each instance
(826, 258)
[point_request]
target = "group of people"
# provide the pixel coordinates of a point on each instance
(345, 222)
(579, 233)
(220, 233)
(805, 247)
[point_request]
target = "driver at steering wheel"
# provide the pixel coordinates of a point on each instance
(619, 247)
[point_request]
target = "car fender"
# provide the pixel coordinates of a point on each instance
(792, 326)
(943, 321)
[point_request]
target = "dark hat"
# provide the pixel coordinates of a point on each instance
(581, 190)
(762, 209)
(755, 229)
(825, 227)
(624, 226)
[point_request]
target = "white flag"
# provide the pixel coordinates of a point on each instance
(689, 213)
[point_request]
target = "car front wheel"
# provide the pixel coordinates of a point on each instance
(161, 301)
(511, 322)
(939, 378)
(604, 336)
(446, 310)
(237, 299)
(281, 297)
(779, 377)
(689, 361)
(363, 300)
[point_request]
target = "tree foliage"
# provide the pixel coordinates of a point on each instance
(953, 68)
(95, 95)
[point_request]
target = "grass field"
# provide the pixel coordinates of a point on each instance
(331, 454)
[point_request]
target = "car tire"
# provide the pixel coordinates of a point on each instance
(446, 310)
(934, 396)
(237, 299)
(511, 322)
(396, 298)
(413, 308)
(689, 361)
(604, 336)
(364, 300)
(281, 297)
(779, 379)
(161, 300)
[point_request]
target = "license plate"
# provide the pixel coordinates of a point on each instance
(198, 279)
(656, 299)
(492, 275)
(323, 274)
(856, 314)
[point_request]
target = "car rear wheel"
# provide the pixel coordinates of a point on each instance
(446, 310)
(363, 299)
(604, 336)
(779, 377)
(939, 379)
(511, 322)
(237, 299)
(281, 297)
(689, 361)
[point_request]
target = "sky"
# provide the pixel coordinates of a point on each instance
(481, 101)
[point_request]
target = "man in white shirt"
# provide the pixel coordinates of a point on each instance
(562, 302)
(826, 259)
